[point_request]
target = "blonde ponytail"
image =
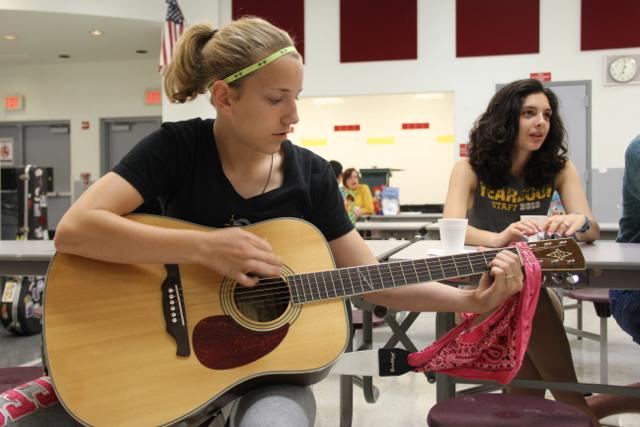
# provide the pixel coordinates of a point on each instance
(204, 55)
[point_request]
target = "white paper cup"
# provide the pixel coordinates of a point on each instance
(452, 234)
(539, 221)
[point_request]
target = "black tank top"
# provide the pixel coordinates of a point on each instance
(494, 209)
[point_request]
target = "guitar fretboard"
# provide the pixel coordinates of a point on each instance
(344, 282)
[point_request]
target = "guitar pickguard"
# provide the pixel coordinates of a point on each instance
(220, 343)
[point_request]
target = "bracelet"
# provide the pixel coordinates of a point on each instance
(586, 226)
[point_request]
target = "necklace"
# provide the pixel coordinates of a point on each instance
(268, 177)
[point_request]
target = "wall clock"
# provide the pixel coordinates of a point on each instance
(622, 69)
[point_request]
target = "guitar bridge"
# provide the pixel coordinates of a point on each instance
(175, 314)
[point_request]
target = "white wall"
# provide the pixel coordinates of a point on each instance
(91, 91)
(615, 109)
(418, 153)
(81, 92)
(472, 80)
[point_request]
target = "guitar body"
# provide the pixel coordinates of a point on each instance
(114, 363)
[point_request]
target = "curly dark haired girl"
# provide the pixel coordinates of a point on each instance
(518, 158)
(492, 139)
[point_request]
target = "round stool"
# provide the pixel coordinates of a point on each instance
(13, 377)
(599, 298)
(495, 410)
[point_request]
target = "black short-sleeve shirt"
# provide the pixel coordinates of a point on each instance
(179, 165)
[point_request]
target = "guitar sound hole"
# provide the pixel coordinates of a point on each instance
(266, 301)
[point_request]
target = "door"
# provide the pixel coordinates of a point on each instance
(10, 134)
(575, 109)
(120, 135)
(49, 144)
(44, 144)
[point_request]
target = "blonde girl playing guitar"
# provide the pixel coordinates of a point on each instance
(240, 169)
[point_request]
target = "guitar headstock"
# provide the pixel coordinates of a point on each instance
(558, 254)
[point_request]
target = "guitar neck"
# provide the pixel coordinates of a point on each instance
(345, 282)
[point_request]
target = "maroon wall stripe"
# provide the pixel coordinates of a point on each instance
(610, 24)
(285, 14)
(497, 27)
(378, 30)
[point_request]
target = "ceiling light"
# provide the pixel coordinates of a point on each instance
(96, 33)
(10, 37)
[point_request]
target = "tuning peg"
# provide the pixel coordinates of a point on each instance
(572, 279)
(558, 278)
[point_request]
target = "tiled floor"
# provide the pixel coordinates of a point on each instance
(405, 401)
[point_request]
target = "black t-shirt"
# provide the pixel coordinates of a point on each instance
(179, 165)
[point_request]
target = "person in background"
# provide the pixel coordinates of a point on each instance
(361, 193)
(337, 169)
(347, 196)
(625, 304)
(241, 169)
(517, 158)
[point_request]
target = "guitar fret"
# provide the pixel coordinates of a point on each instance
(376, 269)
(413, 276)
(339, 292)
(473, 269)
(293, 290)
(444, 275)
(422, 275)
(453, 259)
(324, 282)
(393, 282)
(354, 289)
(434, 272)
(402, 271)
(373, 285)
(306, 289)
(415, 271)
(333, 284)
(315, 278)
(365, 284)
(464, 264)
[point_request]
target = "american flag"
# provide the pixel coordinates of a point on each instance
(173, 28)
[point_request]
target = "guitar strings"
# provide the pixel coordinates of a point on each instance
(283, 294)
(451, 271)
(429, 261)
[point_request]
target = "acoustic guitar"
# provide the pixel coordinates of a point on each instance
(147, 345)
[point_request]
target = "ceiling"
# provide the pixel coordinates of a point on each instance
(42, 36)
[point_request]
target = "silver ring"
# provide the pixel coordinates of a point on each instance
(509, 276)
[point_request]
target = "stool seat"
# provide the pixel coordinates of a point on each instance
(496, 410)
(593, 295)
(13, 377)
(599, 298)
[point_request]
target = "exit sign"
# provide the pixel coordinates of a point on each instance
(543, 76)
(152, 97)
(14, 102)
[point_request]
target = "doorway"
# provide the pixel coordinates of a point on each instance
(46, 144)
(119, 136)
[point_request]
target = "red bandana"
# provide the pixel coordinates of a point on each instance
(494, 348)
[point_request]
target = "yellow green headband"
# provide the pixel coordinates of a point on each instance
(251, 68)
